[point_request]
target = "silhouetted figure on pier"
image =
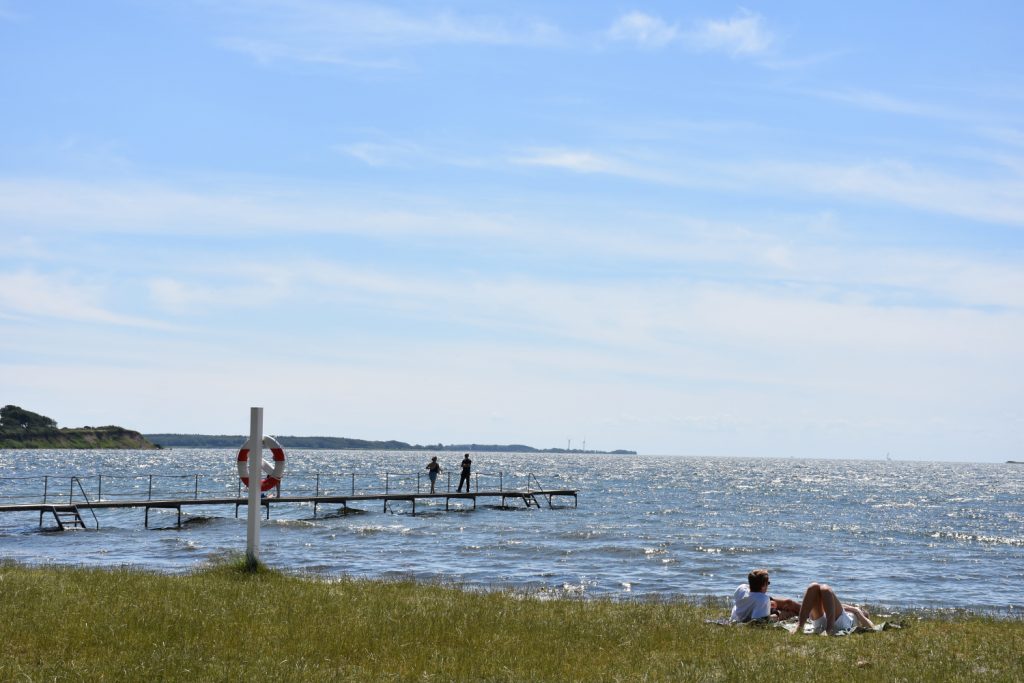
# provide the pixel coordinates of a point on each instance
(466, 465)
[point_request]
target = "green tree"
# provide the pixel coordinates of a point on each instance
(13, 418)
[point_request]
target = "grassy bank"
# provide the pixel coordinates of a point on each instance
(90, 624)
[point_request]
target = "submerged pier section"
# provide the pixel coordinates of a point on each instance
(72, 501)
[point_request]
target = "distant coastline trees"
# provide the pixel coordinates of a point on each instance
(16, 419)
(345, 443)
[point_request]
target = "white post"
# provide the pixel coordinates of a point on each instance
(252, 548)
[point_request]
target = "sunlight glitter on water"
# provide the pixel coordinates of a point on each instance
(872, 529)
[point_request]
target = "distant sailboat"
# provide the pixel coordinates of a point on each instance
(888, 457)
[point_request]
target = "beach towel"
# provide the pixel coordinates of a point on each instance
(809, 628)
(790, 626)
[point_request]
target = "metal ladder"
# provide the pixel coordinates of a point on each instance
(68, 515)
(530, 498)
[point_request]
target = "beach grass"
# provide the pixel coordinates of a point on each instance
(230, 623)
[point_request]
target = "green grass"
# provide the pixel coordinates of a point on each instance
(94, 624)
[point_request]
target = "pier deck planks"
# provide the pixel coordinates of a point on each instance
(343, 500)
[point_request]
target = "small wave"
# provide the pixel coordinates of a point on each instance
(181, 542)
(343, 512)
(731, 550)
(199, 521)
(373, 530)
(296, 523)
(665, 512)
(576, 588)
(580, 534)
(978, 538)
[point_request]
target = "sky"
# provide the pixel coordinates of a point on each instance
(779, 229)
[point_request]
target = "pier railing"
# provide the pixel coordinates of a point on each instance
(198, 485)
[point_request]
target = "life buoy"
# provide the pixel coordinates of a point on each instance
(274, 473)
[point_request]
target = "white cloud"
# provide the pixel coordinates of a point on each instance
(643, 29)
(588, 162)
(743, 35)
(578, 161)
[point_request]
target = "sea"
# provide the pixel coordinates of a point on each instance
(931, 536)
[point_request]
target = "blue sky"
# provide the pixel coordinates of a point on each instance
(768, 229)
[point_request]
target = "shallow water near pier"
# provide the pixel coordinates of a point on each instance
(900, 534)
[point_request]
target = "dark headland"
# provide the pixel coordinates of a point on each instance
(20, 428)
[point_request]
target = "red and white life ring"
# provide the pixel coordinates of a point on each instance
(274, 473)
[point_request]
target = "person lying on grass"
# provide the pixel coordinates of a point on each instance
(827, 613)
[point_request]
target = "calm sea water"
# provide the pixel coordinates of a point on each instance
(897, 534)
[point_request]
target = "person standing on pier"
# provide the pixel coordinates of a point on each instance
(432, 470)
(466, 465)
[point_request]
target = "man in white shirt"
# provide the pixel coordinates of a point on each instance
(751, 599)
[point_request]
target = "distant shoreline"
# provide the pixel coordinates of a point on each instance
(344, 443)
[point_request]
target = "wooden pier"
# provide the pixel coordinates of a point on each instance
(69, 510)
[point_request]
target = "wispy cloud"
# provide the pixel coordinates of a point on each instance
(340, 33)
(769, 251)
(155, 209)
(240, 286)
(267, 51)
(1004, 134)
(992, 200)
(8, 14)
(29, 294)
(383, 154)
(745, 34)
(642, 29)
(654, 313)
(877, 101)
